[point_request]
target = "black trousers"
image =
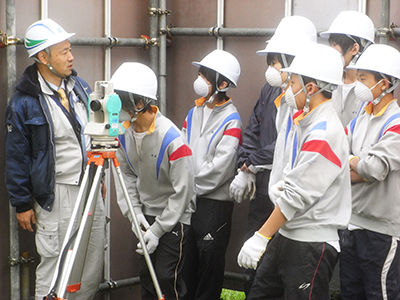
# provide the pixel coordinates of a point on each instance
(260, 209)
(168, 262)
(369, 265)
(293, 270)
(210, 233)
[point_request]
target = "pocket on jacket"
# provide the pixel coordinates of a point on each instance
(47, 244)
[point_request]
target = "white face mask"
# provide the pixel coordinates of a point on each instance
(363, 93)
(273, 77)
(290, 98)
(201, 87)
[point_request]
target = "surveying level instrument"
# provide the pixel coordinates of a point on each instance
(103, 127)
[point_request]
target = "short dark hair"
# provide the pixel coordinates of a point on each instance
(378, 76)
(211, 75)
(326, 94)
(272, 57)
(345, 42)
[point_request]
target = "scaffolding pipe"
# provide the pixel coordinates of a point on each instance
(220, 22)
(11, 59)
(362, 6)
(107, 32)
(162, 71)
(107, 41)
(223, 32)
(384, 30)
(44, 9)
(288, 8)
(107, 200)
(154, 15)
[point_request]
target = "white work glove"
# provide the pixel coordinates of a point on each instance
(151, 242)
(142, 223)
(251, 185)
(276, 190)
(242, 185)
(252, 251)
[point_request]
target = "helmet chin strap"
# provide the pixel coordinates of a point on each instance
(54, 71)
(384, 93)
(327, 86)
(137, 111)
(48, 65)
(211, 100)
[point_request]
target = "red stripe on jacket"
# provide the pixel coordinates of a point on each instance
(395, 129)
(182, 151)
(323, 148)
(235, 132)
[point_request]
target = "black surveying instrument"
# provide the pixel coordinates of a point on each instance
(103, 128)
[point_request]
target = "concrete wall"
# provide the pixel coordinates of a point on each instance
(130, 20)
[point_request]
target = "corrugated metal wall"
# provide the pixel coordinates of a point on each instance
(130, 20)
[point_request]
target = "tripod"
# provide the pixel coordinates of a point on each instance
(67, 276)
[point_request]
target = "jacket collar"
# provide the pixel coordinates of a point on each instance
(29, 82)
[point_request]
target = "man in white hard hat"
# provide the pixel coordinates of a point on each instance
(370, 258)
(212, 129)
(46, 153)
(350, 33)
(269, 127)
(158, 171)
(300, 238)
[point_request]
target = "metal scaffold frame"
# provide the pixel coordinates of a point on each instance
(157, 45)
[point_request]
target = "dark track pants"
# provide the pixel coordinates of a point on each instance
(293, 270)
(369, 265)
(211, 229)
(168, 261)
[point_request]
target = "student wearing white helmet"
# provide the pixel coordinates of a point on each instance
(300, 238)
(264, 138)
(370, 258)
(350, 33)
(212, 129)
(46, 153)
(157, 168)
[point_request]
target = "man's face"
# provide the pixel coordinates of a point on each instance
(367, 78)
(300, 98)
(61, 58)
(278, 66)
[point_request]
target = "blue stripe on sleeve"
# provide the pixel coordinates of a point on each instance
(233, 116)
(171, 135)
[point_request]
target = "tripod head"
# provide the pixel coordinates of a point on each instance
(104, 108)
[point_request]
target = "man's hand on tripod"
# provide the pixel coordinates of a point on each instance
(26, 219)
(151, 243)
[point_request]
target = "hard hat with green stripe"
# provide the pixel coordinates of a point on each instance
(43, 34)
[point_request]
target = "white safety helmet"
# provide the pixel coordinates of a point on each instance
(352, 23)
(319, 62)
(135, 78)
(290, 35)
(380, 58)
(289, 44)
(43, 34)
(223, 63)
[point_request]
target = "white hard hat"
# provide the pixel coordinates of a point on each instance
(319, 62)
(43, 34)
(222, 62)
(290, 36)
(288, 44)
(380, 58)
(352, 23)
(135, 78)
